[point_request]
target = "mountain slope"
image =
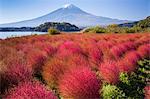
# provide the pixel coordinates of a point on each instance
(68, 13)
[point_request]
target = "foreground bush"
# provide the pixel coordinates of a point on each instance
(118, 51)
(131, 58)
(125, 67)
(109, 72)
(52, 70)
(53, 31)
(112, 92)
(80, 83)
(147, 92)
(30, 90)
(95, 55)
(13, 68)
(55, 67)
(13, 75)
(69, 48)
(35, 59)
(144, 51)
(129, 62)
(133, 84)
(46, 47)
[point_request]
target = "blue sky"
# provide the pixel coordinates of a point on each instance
(18, 10)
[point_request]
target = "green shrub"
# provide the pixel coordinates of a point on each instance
(130, 30)
(133, 29)
(112, 92)
(53, 31)
(114, 28)
(146, 29)
(96, 29)
(134, 83)
(124, 77)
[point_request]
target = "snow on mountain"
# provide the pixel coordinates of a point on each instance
(68, 6)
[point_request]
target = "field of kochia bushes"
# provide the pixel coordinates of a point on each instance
(75, 66)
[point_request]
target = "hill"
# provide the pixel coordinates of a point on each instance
(59, 26)
(145, 23)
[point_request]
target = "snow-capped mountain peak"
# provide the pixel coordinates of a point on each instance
(68, 6)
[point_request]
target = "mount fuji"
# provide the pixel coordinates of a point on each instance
(68, 13)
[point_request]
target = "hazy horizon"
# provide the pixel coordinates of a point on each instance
(20, 10)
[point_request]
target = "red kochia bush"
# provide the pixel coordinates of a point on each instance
(95, 54)
(129, 45)
(125, 66)
(132, 57)
(144, 51)
(80, 83)
(57, 66)
(45, 46)
(15, 74)
(105, 47)
(129, 62)
(30, 90)
(25, 47)
(52, 70)
(119, 50)
(35, 59)
(147, 92)
(76, 60)
(109, 72)
(105, 44)
(68, 48)
(13, 68)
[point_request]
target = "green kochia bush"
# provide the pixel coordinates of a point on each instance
(53, 31)
(112, 92)
(133, 84)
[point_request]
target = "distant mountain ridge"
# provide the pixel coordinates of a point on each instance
(68, 13)
(145, 23)
(66, 27)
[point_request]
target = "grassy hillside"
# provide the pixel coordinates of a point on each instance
(145, 23)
